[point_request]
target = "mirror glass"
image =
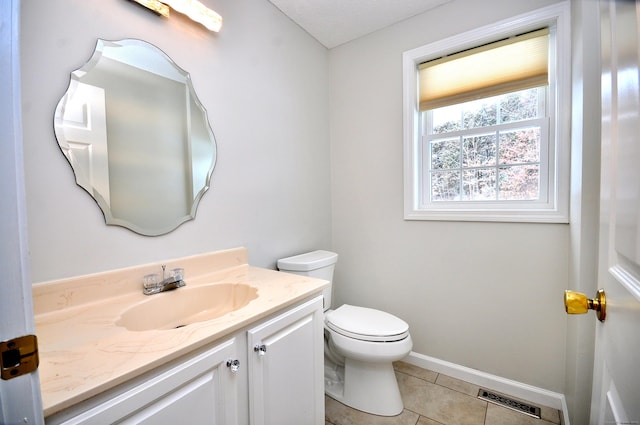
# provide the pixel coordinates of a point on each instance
(137, 137)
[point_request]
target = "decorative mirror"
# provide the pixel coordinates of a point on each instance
(137, 137)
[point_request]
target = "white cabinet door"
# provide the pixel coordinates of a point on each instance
(286, 357)
(200, 390)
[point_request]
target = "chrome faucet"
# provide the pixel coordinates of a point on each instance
(154, 285)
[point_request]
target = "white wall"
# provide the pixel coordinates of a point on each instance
(483, 295)
(263, 81)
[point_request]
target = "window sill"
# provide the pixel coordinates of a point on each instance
(505, 216)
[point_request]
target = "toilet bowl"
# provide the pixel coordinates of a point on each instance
(361, 344)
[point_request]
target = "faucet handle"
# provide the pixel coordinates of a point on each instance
(151, 283)
(178, 273)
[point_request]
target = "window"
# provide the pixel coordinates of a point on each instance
(486, 133)
(486, 150)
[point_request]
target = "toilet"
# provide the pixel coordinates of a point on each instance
(360, 344)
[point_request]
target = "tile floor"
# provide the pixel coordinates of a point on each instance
(435, 399)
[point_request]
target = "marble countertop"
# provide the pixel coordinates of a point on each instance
(82, 350)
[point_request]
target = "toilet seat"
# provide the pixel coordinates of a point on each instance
(366, 324)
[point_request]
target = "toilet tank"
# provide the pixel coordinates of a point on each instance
(318, 264)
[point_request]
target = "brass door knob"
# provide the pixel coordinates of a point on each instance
(578, 303)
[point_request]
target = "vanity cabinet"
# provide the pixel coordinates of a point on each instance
(286, 357)
(198, 390)
(269, 372)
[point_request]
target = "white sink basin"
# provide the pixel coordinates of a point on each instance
(187, 305)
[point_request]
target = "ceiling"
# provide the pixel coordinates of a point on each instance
(334, 22)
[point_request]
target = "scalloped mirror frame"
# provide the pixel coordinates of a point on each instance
(136, 136)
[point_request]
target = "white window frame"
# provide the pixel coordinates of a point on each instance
(555, 207)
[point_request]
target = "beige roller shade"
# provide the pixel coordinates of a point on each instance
(512, 64)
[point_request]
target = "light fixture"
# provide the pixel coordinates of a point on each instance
(156, 6)
(195, 10)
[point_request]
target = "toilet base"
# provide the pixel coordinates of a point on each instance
(366, 386)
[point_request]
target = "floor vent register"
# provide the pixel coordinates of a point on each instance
(509, 403)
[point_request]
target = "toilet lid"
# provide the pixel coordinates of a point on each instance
(366, 324)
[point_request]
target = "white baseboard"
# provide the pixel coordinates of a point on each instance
(493, 382)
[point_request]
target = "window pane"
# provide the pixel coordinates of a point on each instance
(479, 150)
(445, 186)
(519, 106)
(479, 184)
(519, 183)
(520, 146)
(446, 119)
(445, 154)
(511, 107)
(480, 113)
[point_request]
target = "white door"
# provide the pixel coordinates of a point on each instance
(616, 391)
(81, 130)
(20, 400)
